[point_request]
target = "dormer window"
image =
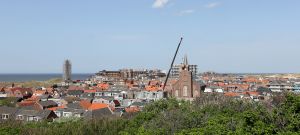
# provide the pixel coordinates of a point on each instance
(5, 116)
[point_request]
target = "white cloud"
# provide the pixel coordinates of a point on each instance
(184, 12)
(159, 3)
(212, 5)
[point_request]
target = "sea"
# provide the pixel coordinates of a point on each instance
(39, 77)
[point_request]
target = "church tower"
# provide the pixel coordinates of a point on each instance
(186, 87)
(185, 64)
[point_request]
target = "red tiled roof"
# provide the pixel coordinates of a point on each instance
(103, 86)
(22, 90)
(152, 88)
(89, 91)
(253, 93)
(39, 92)
(132, 109)
(85, 104)
(32, 98)
(231, 94)
(55, 108)
(96, 106)
(26, 103)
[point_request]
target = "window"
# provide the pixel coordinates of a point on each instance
(196, 93)
(30, 118)
(185, 91)
(77, 115)
(35, 119)
(20, 117)
(176, 93)
(67, 114)
(57, 113)
(5, 116)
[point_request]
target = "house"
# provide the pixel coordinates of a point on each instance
(46, 104)
(103, 99)
(39, 93)
(69, 112)
(98, 113)
(115, 103)
(135, 107)
(107, 93)
(33, 115)
(88, 95)
(278, 86)
(60, 102)
(264, 91)
(85, 104)
(75, 93)
(7, 113)
(45, 97)
(74, 105)
(237, 87)
(138, 104)
(129, 94)
(2, 92)
(296, 87)
(96, 106)
(19, 92)
(127, 102)
(252, 94)
(212, 89)
(150, 95)
(103, 86)
(90, 91)
(73, 87)
(234, 95)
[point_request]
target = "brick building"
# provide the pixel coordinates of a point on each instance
(185, 87)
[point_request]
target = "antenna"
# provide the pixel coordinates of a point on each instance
(172, 63)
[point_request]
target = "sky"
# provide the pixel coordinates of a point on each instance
(236, 36)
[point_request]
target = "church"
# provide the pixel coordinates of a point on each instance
(185, 87)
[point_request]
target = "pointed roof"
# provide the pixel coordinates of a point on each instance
(185, 60)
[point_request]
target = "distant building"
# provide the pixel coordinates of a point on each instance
(185, 87)
(176, 69)
(296, 87)
(131, 74)
(280, 86)
(67, 71)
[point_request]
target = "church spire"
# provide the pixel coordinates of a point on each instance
(185, 60)
(185, 64)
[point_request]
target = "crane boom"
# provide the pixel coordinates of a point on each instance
(172, 64)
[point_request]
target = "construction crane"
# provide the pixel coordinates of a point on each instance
(166, 81)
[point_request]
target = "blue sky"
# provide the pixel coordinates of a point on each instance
(219, 35)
